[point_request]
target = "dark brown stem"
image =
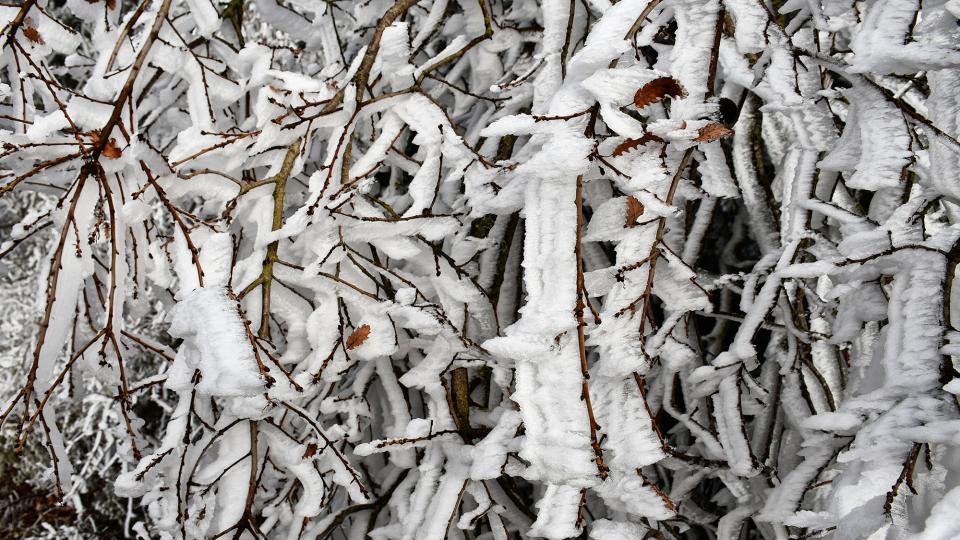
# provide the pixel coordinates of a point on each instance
(581, 345)
(131, 79)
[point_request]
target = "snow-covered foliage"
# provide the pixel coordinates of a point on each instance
(409, 269)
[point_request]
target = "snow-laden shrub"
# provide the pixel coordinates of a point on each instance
(644, 269)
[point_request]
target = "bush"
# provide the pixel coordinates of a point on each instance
(401, 269)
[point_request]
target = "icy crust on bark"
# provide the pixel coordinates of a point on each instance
(875, 144)
(214, 344)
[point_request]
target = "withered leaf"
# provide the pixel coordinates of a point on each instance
(310, 451)
(656, 90)
(111, 150)
(631, 144)
(358, 336)
(31, 33)
(634, 211)
(713, 131)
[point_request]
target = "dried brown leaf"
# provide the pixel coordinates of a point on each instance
(631, 144)
(713, 131)
(634, 211)
(111, 150)
(358, 336)
(656, 90)
(310, 451)
(31, 33)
